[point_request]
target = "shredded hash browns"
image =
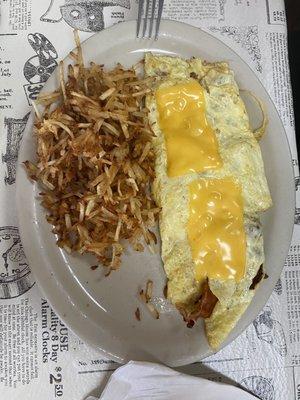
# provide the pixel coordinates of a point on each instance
(95, 161)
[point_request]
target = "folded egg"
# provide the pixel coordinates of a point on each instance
(211, 186)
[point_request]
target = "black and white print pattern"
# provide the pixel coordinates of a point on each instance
(84, 15)
(247, 37)
(39, 67)
(270, 330)
(260, 386)
(14, 128)
(15, 275)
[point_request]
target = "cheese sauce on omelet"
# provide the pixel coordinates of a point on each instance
(190, 140)
(216, 229)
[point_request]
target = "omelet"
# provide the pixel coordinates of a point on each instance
(211, 186)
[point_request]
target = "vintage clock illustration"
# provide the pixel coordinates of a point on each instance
(15, 275)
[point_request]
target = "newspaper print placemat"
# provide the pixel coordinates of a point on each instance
(39, 356)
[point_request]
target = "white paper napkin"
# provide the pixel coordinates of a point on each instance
(143, 380)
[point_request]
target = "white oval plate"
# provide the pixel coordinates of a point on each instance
(101, 310)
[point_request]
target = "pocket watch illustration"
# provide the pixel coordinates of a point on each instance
(15, 275)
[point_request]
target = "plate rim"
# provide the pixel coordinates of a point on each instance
(130, 24)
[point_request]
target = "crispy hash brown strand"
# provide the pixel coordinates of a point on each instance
(95, 161)
(146, 297)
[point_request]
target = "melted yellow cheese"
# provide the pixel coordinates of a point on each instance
(190, 141)
(216, 229)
